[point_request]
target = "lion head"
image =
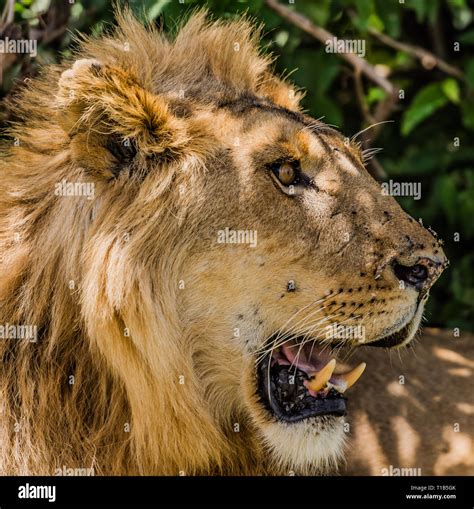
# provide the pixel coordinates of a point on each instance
(197, 257)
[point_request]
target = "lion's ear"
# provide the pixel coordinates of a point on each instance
(112, 120)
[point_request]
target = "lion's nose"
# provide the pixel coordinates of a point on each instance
(421, 275)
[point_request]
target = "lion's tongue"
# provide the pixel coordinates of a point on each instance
(316, 362)
(309, 358)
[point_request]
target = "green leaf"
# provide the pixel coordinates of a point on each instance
(316, 70)
(424, 9)
(446, 192)
(420, 7)
(390, 14)
(457, 4)
(366, 16)
(470, 73)
(318, 12)
(467, 37)
(433, 8)
(76, 10)
(375, 22)
(375, 94)
(462, 18)
(40, 6)
(451, 89)
(157, 9)
(428, 100)
(281, 38)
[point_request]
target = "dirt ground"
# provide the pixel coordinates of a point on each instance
(414, 408)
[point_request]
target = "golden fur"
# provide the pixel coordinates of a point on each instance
(129, 292)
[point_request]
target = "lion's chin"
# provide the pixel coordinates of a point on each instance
(313, 446)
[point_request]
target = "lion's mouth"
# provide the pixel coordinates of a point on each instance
(300, 380)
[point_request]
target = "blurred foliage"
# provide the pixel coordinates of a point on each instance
(430, 140)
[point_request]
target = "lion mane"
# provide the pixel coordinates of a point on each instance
(83, 393)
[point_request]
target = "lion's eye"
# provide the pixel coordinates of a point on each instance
(289, 177)
(286, 174)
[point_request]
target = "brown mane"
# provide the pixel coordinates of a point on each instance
(72, 282)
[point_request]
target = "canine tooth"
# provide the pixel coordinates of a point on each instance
(351, 378)
(321, 377)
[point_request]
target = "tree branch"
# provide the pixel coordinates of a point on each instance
(323, 35)
(8, 14)
(428, 60)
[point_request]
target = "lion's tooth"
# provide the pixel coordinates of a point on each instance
(352, 376)
(321, 377)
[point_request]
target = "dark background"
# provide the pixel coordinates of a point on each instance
(423, 48)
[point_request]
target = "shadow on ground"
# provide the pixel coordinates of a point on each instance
(414, 409)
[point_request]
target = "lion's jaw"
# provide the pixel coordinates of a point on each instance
(227, 380)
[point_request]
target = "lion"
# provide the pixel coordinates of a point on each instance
(188, 260)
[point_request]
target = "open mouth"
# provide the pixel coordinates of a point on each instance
(299, 380)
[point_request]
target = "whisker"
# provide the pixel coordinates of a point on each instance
(369, 153)
(297, 312)
(290, 330)
(311, 331)
(304, 341)
(356, 135)
(281, 339)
